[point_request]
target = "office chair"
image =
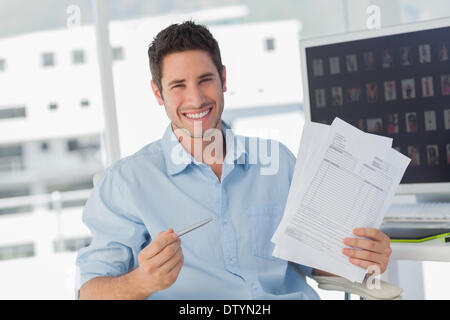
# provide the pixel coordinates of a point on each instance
(386, 291)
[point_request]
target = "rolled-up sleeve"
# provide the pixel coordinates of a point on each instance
(117, 233)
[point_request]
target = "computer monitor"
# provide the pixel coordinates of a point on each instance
(394, 82)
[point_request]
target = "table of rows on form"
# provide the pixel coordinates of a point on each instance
(336, 192)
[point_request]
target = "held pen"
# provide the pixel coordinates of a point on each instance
(193, 227)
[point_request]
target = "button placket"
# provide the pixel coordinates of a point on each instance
(229, 245)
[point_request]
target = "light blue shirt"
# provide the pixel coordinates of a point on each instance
(230, 257)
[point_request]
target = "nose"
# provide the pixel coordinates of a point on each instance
(195, 96)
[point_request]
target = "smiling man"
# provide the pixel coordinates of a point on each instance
(180, 180)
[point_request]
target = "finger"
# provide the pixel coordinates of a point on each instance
(371, 245)
(172, 262)
(162, 240)
(366, 255)
(370, 233)
(167, 253)
(177, 267)
(364, 264)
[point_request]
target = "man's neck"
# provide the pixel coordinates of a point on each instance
(204, 149)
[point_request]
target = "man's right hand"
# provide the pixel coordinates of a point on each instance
(159, 263)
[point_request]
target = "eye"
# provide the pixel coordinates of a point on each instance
(205, 80)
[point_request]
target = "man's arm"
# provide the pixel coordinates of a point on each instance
(113, 288)
(159, 265)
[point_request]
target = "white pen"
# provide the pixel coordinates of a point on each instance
(193, 227)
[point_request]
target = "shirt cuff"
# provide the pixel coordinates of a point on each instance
(307, 271)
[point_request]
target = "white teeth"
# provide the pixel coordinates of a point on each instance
(197, 115)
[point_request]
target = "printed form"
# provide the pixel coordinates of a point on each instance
(344, 178)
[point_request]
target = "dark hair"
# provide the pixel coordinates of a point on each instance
(181, 37)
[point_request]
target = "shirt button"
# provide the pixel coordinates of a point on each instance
(254, 286)
(231, 261)
(225, 220)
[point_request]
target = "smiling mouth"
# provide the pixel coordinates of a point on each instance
(198, 115)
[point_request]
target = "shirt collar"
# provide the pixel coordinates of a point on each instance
(177, 158)
(236, 150)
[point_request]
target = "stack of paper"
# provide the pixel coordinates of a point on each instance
(344, 178)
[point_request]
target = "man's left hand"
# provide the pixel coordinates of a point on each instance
(376, 249)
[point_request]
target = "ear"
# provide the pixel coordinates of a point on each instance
(224, 79)
(157, 93)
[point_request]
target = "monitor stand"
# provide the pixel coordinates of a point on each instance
(432, 197)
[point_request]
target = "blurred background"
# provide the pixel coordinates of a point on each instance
(52, 119)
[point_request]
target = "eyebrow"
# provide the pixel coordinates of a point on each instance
(205, 75)
(176, 82)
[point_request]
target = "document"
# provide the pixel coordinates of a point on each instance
(344, 178)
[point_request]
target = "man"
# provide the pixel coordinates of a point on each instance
(140, 200)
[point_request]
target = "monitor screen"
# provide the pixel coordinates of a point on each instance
(395, 84)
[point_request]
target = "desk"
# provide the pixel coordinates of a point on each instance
(432, 250)
(405, 267)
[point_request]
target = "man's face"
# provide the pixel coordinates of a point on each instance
(192, 91)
